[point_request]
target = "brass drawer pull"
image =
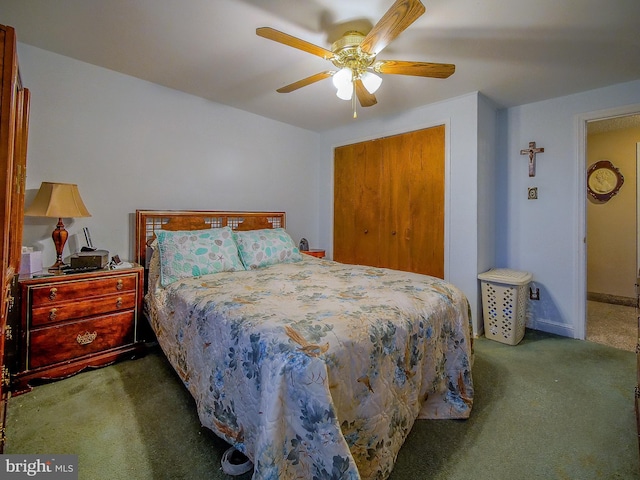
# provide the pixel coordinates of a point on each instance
(53, 293)
(53, 313)
(86, 338)
(119, 302)
(119, 285)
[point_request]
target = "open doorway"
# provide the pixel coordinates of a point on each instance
(612, 229)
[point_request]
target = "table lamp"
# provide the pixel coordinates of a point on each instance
(58, 200)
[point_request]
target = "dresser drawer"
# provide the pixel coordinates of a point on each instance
(69, 341)
(60, 312)
(61, 292)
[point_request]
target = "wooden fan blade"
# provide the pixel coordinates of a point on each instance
(401, 14)
(366, 99)
(419, 69)
(304, 82)
(286, 39)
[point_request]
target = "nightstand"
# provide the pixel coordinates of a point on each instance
(70, 322)
(314, 253)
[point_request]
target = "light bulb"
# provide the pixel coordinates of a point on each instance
(342, 79)
(371, 81)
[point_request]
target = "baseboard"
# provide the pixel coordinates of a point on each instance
(615, 299)
(556, 328)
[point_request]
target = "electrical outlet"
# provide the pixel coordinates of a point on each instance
(534, 295)
(532, 193)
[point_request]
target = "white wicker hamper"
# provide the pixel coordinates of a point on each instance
(504, 301)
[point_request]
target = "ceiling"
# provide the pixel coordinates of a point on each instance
(515, 52)
(613, 124)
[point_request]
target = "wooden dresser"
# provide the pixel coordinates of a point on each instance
(71, 322)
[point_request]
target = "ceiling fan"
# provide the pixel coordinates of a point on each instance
(354, 54)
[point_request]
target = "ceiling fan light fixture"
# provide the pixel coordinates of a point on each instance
(371, 82)
(354, 56)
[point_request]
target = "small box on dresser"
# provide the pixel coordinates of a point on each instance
(70, 322)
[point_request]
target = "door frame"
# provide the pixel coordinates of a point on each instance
(580, 279)
(638, 207)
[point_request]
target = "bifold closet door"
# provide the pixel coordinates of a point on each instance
(407, 207)
(357, 204)
(413, 169)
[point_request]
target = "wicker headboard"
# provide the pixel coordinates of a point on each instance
(148, 221)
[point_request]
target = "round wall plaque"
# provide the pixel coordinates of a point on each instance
(603, 180)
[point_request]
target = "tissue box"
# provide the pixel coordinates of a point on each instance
(31, 262)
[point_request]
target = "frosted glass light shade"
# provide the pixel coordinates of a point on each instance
(345, 93)
(371, 82)
(342, 79)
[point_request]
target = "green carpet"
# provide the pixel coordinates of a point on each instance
(548, 408)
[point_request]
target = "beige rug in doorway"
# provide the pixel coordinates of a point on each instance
(612, 324)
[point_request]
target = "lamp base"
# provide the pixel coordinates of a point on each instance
(58, 267)
(59, 236)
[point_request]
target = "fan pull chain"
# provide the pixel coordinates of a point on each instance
(353, 99)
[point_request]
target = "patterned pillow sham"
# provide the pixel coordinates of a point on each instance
(191, 253)
(260, 248)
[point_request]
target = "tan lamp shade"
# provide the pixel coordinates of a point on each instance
(57, 200)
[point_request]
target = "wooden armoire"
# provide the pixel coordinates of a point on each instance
(389, 202)
(14, 122)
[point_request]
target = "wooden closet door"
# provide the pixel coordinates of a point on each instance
(357, 204)
(416, 191)
(408, 208)
(396, 190)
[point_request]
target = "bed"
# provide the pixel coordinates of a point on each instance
(313, 369)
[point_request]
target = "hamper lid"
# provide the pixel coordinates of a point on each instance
(506, 275)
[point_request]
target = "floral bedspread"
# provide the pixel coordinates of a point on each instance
(317, 369)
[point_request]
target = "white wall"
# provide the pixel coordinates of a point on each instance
(487, 186)
(546, 236)
(461, 117)
(130, 144)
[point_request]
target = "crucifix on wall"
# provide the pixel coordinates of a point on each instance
(531, 151)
